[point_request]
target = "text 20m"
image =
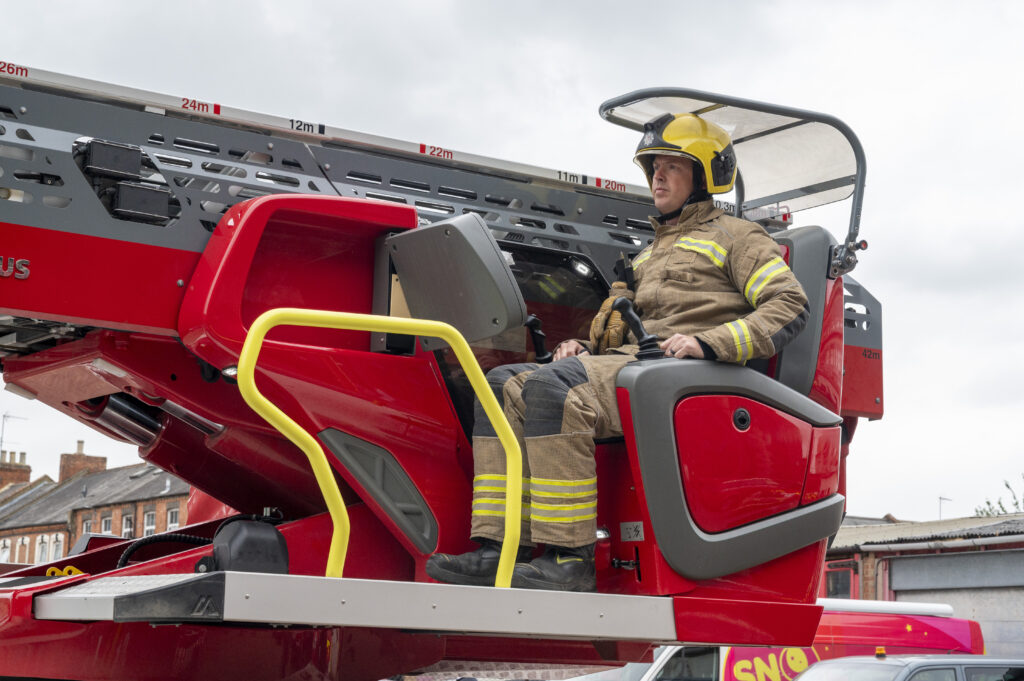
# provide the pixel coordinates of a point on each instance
(611, 185)
(13, 69)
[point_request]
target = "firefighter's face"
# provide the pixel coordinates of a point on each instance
(672, 182)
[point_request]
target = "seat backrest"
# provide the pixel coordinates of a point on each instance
(810, 250)
(453, 271)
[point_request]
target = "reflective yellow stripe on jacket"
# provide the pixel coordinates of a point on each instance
(714, 251)
(642, 257)
(744, 344)
(759, 279)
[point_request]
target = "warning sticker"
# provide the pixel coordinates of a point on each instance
(631, 531)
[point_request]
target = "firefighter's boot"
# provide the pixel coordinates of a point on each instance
(476, 568)
(558, 569)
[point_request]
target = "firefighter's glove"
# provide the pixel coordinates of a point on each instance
(609, 330)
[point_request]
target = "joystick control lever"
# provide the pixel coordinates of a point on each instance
(648, 342)
(533, 324)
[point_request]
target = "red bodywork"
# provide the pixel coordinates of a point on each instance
(317, 252)
(841, 634)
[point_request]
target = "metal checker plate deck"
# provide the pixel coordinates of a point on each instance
(320, 601)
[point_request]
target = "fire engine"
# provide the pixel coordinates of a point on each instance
(294, 318)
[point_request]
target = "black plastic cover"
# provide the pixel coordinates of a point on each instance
(110, 159)
(142, 202)
(250, 546)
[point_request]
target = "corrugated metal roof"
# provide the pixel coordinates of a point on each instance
(854, 536)
(114, 486)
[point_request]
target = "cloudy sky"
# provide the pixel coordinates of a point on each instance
(931, 89)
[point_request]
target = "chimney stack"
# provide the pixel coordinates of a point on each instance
(11, 471)
(79, 462)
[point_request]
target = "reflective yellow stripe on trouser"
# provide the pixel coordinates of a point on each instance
(563, 501)
(488, 512)
(563, 508)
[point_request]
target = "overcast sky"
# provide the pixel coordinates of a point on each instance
(931, 89)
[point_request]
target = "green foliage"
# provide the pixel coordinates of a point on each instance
(999, 508)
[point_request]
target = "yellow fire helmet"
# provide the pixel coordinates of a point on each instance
(690, 136)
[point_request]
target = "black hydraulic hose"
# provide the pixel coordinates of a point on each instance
(273, 519)
(156, 538)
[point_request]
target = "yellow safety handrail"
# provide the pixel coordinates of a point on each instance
(315, 453)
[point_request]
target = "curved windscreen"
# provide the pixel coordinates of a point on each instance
(788, 157)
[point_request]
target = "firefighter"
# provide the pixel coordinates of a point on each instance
(710, 286)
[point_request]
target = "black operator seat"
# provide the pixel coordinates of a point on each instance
(655, 387)
(810, 250)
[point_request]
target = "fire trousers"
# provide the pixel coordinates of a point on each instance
(556, 411)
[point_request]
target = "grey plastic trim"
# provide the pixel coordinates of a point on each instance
(862, 329)
(384, 479)
(655, 387)
(453, 271)
(381, 303)
(809, 251)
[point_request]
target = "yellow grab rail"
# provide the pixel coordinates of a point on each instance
(315, 453)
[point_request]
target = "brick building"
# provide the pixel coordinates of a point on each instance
(133, 501)
(976, 565)
(40, 520)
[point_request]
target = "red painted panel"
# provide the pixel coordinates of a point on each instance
(94, 281)
(827, 387)
(397, 403)
(293, 250)
(203, 507)
(733, 477)
(862, 391)
(898, 633)
(823, 468)
(745, 622)
(841, 634)
(789, 579)
(653, 575)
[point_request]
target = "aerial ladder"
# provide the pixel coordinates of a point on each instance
(295, 318)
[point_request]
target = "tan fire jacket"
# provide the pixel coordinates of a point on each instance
(721, 279)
